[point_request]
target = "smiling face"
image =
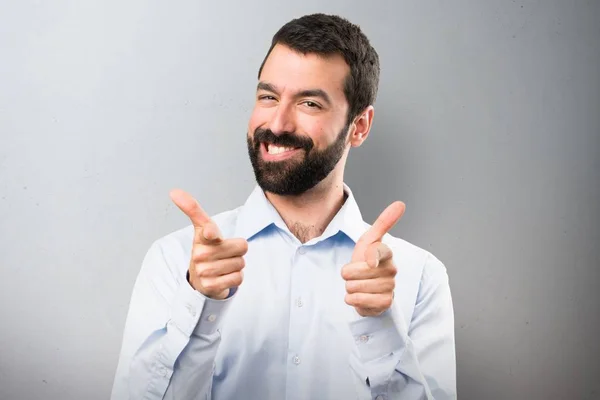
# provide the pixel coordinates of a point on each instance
(298, 131)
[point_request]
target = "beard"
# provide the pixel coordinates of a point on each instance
(292, 176)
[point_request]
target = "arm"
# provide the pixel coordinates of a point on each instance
(415, 362)
(167, 322)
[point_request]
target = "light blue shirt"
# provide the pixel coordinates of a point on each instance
(286, 333)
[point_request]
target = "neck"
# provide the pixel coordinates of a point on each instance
(308, 214)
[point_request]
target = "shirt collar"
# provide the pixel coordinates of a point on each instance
(348, 220)
(258, 213)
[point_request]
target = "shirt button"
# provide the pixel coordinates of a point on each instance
(296, 360)
(302, 250)
(363, 339)
(211, 318)
(299, 302)
(162, 370)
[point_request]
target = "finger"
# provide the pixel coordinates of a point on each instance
(361, 270)
(376, 285)
(369, 312)
(190, 207)
(211, 231)
(218, 284)
(378, 301)
(228, 248)
(208, 234)
(217, 268)
(383, 223)
(377, 253)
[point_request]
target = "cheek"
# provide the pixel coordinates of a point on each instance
(316, 130)
(259, 118)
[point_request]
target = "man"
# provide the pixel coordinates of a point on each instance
(292, 295)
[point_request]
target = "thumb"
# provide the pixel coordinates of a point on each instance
(382, 225)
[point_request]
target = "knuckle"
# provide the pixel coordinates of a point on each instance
(195, 254)
(387, 303)
(392, 285)
(346, 272)
(211, 285)
(195, 269)
(350, 287)
(202, 271)
(200, 254)
(393, 270)
(349, 299)
(238, 247)
(237, 278)
(243, 247)
(240, 262)
(357, 300)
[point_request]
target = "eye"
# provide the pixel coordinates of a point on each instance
(312, 104)
(266, 97)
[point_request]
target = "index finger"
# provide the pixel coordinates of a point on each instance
(190, 207)
(384, 223)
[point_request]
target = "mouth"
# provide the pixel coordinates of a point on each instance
(271, 152)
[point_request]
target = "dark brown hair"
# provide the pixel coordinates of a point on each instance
(330, 34)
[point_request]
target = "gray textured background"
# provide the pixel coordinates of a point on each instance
(487, 125)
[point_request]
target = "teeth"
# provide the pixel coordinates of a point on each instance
(272, 149)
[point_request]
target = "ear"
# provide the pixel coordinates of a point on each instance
(361, 126)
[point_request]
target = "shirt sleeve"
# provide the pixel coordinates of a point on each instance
(165, 315)
(414, 362)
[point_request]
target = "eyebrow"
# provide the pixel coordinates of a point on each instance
(303, 93)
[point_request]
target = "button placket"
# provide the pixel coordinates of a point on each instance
(302, 250)
(298, 317)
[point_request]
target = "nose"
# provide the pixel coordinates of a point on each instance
(283, 120)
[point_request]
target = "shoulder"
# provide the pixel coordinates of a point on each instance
(412, 256)
(421, 277)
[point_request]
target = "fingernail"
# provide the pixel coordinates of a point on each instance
(208, 234)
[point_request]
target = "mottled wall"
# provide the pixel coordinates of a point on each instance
(487, 126)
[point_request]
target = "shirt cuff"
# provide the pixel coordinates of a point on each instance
(213, 313)
(379, 336)
(186, 308)
(195, 314)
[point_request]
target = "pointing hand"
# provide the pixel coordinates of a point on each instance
(370, 276)
(216, 264)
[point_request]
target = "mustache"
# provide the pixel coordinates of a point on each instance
(285, 139)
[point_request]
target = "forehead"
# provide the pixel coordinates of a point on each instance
(293, 71)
